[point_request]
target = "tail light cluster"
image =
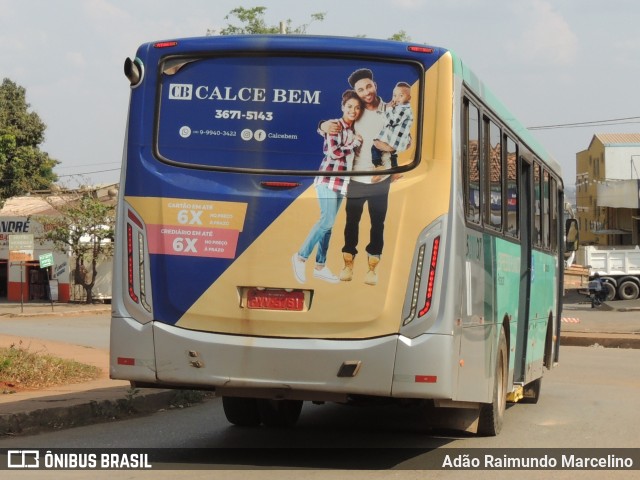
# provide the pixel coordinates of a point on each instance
(136, 271)
(417, 282)
(432, 277)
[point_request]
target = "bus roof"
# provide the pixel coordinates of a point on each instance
(307, 43)
(485, 94)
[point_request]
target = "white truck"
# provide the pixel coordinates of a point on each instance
(618, 266)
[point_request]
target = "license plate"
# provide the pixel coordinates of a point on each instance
(275, 299)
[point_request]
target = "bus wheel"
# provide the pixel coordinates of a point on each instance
(492, 414)
(241, 411)
(532, 391)
(279, 413)
(628, 290)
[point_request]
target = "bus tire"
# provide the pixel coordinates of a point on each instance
(492, 414)
(628, 290)
(240, 411)
(532, 391)
(279, 413)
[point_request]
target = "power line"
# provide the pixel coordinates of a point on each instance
(61, 167)
(595, 123)
(88, 173)
(10, 179)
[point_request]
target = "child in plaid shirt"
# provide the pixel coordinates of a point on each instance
(339, 150)
(395, 136)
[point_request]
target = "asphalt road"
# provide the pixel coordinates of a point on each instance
(86, 330)
(589, 401)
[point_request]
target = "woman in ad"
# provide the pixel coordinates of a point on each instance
(339, 150)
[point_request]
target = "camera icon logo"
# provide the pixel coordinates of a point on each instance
(23, 459)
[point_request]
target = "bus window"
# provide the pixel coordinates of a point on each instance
(545, 210)
(512, 188)
(537, 205)
(555, 217)
(262, 113)
(472, 173)
(494, 169)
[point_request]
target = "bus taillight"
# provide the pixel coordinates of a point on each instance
(135, 219)
(165, 44)
(416, 285)
(419, 49)
(132, 292)
(432, 277)
(136, 270)
(126, 361)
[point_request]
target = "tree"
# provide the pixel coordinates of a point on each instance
(401, 36)
(254, 23)
(85, 227)
(23, 166)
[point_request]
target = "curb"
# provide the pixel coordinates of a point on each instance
(576, 339)
(58, 313)
(57, 418)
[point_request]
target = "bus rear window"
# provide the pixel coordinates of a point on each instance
(269, 113)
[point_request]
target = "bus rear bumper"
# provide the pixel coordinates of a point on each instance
(280, 367)
(155, 354)
(307, 369)
(423, 367)
(131, 352)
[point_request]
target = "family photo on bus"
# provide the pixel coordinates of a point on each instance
(367, 138)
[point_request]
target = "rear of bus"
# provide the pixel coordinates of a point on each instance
(218, 194)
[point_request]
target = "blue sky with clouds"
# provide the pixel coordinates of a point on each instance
(550, 61)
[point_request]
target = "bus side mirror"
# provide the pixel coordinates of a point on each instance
(133, 71)
(572, 240)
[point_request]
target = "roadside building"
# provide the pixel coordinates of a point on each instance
(608, 190)
(22, 248)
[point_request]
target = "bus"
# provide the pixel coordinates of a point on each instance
(330, 219)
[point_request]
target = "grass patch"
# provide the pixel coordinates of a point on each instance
(21, 369)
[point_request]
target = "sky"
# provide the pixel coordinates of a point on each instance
(551, 62)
